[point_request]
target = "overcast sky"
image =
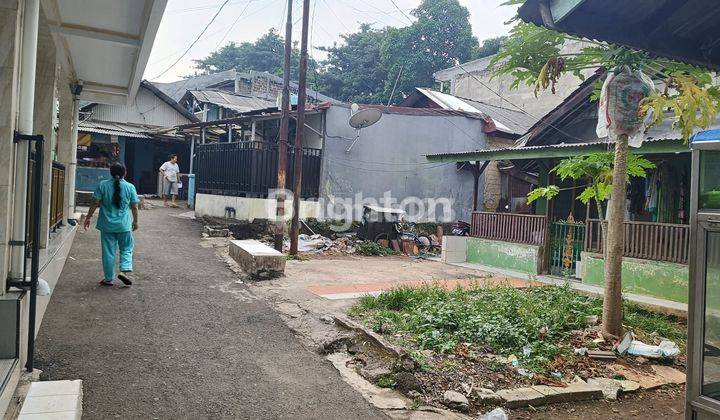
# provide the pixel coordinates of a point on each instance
(246, 20)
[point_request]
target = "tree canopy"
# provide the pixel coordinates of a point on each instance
(365, 65)
(351, 71)
(265, 54)
(439, 38)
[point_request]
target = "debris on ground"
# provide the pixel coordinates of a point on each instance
(630, 345)
(456, 400)
(496, 414)
(478, 344)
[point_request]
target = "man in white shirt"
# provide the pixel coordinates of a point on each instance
(170, 172)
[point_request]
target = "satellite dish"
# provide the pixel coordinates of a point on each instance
(354, 108)
(365, 118)
(362, 119)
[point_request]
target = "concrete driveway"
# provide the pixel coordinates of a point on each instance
(185, 341)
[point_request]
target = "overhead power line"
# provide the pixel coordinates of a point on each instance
(195, 41)
(401, 11)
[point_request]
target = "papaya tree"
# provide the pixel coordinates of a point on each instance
(538, 57)
(596, 170)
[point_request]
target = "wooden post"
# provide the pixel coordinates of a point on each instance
(300, 126)
(283, 135)
(476, 185)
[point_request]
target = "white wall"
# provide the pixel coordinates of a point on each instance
(249, 208)
(146, 109)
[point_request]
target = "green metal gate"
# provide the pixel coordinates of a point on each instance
(567, 239)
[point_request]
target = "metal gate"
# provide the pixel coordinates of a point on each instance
(567, 239)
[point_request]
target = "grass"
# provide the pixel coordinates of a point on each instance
(503, 320)
(296, 257)
(373, 248)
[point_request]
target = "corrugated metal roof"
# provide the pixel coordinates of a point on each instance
(659, 145)
(506, 120)
(116, 129)
(238, 103)
(176, 90)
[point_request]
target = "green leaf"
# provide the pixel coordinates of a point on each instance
(543, 192)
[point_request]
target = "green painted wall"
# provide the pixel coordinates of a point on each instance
(658, 279)
(505, 255)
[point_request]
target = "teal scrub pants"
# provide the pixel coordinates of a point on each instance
(110, 242)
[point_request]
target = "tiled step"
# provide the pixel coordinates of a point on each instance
(54, 400)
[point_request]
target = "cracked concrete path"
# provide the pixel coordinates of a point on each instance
(185, 341)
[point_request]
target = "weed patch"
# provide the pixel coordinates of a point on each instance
(534, 324)
(373, 248)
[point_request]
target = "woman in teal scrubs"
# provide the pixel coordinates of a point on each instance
(118, 218)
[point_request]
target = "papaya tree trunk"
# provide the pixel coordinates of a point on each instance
(612, 303)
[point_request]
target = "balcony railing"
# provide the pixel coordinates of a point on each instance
(249, 169)
(519, 228)
(645, 240)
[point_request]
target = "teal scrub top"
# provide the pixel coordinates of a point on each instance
(112, 219)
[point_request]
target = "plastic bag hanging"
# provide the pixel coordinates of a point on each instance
(619, 108)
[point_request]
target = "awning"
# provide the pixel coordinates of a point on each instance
(556, 151)
(105, 43)
(114, 129)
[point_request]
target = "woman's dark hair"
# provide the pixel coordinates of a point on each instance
(117, 170)
(171, 156)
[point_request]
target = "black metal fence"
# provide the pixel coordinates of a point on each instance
(249, 169)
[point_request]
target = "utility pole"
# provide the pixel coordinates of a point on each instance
(299, 128)
(283, 137)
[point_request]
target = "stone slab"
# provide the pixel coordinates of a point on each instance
(610, 387)
(51, 404)
(660, 375)
(257, 259)
(542, 394)
(522, 397)
(51, 388)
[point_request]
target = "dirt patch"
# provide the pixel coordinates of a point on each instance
(651, 405)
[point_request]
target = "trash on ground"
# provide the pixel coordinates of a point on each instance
(581, 351)
(601, 355)
(496, 414)
(630, 345)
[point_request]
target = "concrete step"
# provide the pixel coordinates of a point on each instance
(53, 400)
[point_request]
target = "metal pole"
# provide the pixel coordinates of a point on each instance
(28, 63)
(192, 154)
(300, 127)
(72, 167)
(283, 136)
(35, 253)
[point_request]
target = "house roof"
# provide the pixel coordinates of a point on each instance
(317, 96)
(168, 100)
(235, 102)
(176, 90)
(547, 124)
(650, 146)
(684, 30)
(506, 120)
(115, 129)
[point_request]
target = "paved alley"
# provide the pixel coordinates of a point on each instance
(183, 341)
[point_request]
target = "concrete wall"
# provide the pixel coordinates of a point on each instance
(388, 156)
(658, 279)
(504, 255)
(248, 208)
(464, 82)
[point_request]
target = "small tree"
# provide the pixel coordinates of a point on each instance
(597, 170)
(536, 56)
